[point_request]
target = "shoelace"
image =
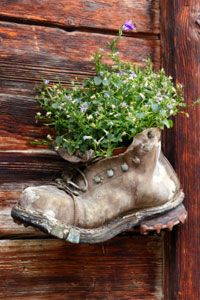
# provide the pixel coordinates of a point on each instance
(67, 184)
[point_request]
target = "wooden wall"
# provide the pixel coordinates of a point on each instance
(181, 52)
(55, 40)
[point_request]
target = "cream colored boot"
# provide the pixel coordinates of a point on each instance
(109, 196)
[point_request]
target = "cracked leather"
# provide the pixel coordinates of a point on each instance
(140, 178)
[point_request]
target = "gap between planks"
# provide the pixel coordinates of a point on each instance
(103, 31)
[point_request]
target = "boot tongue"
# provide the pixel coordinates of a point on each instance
(140, 148)
(77, 158)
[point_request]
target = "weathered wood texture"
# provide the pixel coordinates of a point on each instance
(39, 52)
(104, 15)
(34, 269)
(55, 41)
(19, 166)
(181, 51)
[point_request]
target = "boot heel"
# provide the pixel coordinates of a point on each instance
(165, 221)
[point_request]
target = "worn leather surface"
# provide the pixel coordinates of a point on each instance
(139, 178)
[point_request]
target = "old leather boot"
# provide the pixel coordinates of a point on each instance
(109, 196)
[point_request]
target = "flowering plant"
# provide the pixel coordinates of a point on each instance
(107, 110)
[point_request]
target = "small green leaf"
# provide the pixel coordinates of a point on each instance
(171, 123)
(155, 107)
(167, 123)
(105, 82)
(59, 140)
(140, 115)
(97, 80)
(54, 105)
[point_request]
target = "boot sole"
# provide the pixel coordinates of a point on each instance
(149, 219)
(166, 221)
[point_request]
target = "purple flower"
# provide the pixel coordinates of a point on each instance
(46, 81)
(128, 26)
(132, 75)
(68, 98)
(84, 106)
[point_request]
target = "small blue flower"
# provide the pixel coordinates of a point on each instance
(159, 99)
(106, 95)
(124, 104)
(170, 106)
(128, 26)
(132, 75)
(84, 107)
(69, 98)
(46, 81)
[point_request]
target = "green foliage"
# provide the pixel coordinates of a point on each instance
(109, 109)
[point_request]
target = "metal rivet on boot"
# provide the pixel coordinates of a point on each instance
(110, 173)
(97, 179)
(73, 236)
(124, 167)
(136, 160)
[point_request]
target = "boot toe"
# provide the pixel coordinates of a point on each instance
(49, 201)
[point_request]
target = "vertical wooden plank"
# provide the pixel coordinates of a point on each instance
(180, 34)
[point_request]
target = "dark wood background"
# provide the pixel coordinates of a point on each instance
(180, 36)
(55, 40)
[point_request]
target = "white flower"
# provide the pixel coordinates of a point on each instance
(124, 104)
(90, 117)
(142, 96)
(48, 114)
(49, 137)
(87, 137)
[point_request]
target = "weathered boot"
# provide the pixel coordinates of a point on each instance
(110, 196)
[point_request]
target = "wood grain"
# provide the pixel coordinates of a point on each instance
(123, 268)
(18, 126)
(182, 34)
(19, 166)
(85, 14)
(41, 52)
